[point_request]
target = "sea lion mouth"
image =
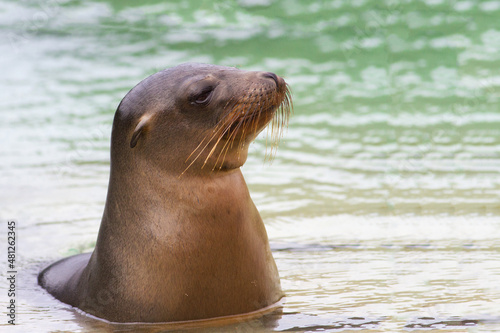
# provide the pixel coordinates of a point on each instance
(250, 118)
(252, 112)
(244, 117)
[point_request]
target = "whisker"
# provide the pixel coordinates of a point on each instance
(279, 123)
(242, 118)
(230, 141)
(217, 128)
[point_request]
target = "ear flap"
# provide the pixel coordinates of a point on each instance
(141, 127)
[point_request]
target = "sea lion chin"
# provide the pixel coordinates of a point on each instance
(180, 238)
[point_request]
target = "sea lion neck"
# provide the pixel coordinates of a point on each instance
(127, 162)
(161, 176)
(151, 197)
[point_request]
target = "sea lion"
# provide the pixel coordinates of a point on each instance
(180, 238)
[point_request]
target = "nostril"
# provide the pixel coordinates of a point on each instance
(272, 76)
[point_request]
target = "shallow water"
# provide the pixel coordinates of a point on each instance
(382, 204)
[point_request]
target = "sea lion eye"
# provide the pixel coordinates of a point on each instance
(204, 96)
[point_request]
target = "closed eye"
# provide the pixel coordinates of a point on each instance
(204, 96)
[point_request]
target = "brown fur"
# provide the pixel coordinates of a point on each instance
(180, 238)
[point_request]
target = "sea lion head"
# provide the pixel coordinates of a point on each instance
(199, 118)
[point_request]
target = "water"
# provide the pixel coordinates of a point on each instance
(382, 204)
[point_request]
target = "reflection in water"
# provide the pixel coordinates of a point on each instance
(382, 204)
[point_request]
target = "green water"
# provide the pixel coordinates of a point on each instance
(383, 201)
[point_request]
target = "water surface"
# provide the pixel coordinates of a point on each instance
(383, 203)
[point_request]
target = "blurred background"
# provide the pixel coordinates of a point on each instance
(383, 200)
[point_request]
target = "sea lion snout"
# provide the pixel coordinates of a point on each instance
(273, 76)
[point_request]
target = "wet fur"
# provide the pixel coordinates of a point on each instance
(174, 248)
(241, 116)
